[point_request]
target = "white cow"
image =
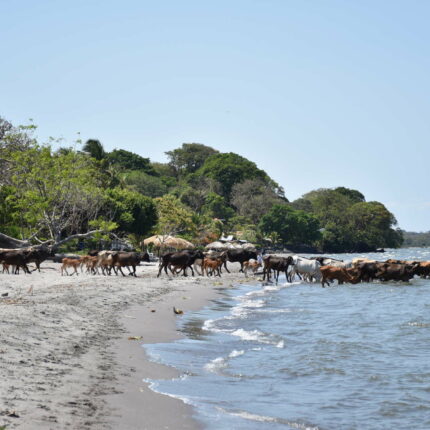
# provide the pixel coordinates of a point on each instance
(308, 269)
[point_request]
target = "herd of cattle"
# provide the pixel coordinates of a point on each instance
(314, 269)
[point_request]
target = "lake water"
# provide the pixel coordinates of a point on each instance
(298, 356)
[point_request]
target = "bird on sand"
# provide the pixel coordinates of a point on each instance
(177, 311)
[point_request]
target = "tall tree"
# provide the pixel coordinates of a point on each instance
(94, 149)
(292, 226)
(189, 158)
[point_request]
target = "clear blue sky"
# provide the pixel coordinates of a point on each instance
(318, 93)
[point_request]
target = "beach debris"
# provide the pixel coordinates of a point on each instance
(5, 294)
(152, 310)
(135, 338)
(11, 414)
(177, 311)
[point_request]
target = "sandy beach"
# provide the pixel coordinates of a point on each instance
(66, 360)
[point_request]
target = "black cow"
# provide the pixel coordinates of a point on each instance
(127, 259)
(239, 256)
(17, 258)
(368, 271)
(277, 264)
(38, 256)
(181, 259)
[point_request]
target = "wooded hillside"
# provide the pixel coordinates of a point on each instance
(200, 193)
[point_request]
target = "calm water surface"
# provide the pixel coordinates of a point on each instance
(298, 356)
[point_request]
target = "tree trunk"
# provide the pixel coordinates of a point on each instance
(8, 242)
(12, 243)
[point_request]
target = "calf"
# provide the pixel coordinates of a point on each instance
(71, 263)
(252, 265)
(213, 265)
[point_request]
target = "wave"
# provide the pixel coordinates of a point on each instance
(267, 419)
(219, 363)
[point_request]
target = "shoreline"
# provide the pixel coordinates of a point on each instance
(65, 358)
(139, 407)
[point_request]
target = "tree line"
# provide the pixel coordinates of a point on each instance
(48, 194)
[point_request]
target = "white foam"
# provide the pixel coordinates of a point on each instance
(266, 419)
(280, 344)
(236, 353)
(216, 365)
(256, 335)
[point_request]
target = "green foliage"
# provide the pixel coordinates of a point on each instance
(127, 160)
(94, 149)
(254, 198)
(230, 169)
(292, 226)
(350, 223)
(145, 184)
(189, 158)
(132, 211)
(173, 217)
(416, 239)
(353, 195)
(53, 193)
(199, 194)
(216, 207)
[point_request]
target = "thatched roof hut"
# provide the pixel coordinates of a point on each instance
(166, 241)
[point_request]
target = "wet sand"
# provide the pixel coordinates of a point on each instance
(66, 361)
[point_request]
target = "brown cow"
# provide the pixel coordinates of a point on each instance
(252, 265)
(214, 265)
(71, 263)
(330, 273)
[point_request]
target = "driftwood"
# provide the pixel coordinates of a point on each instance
(8, 242)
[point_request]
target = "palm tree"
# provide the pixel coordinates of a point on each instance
(94, 148)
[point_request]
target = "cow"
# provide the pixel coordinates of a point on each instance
(71, 263)
(127, 259)
(213, 265)
(38, 256)
(16, 257)
(181, 259)
(105, 261)
(328, 261)
(423, 269)
(331, 273)
(396, 272)
(252, 265)
(309, 269)
(239, 256)
(277, 264)
(368, 270)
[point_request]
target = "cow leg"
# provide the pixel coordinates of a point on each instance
(133, 272)
(120, 269)
(192, 271)
(160, 268)
(225, 265)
